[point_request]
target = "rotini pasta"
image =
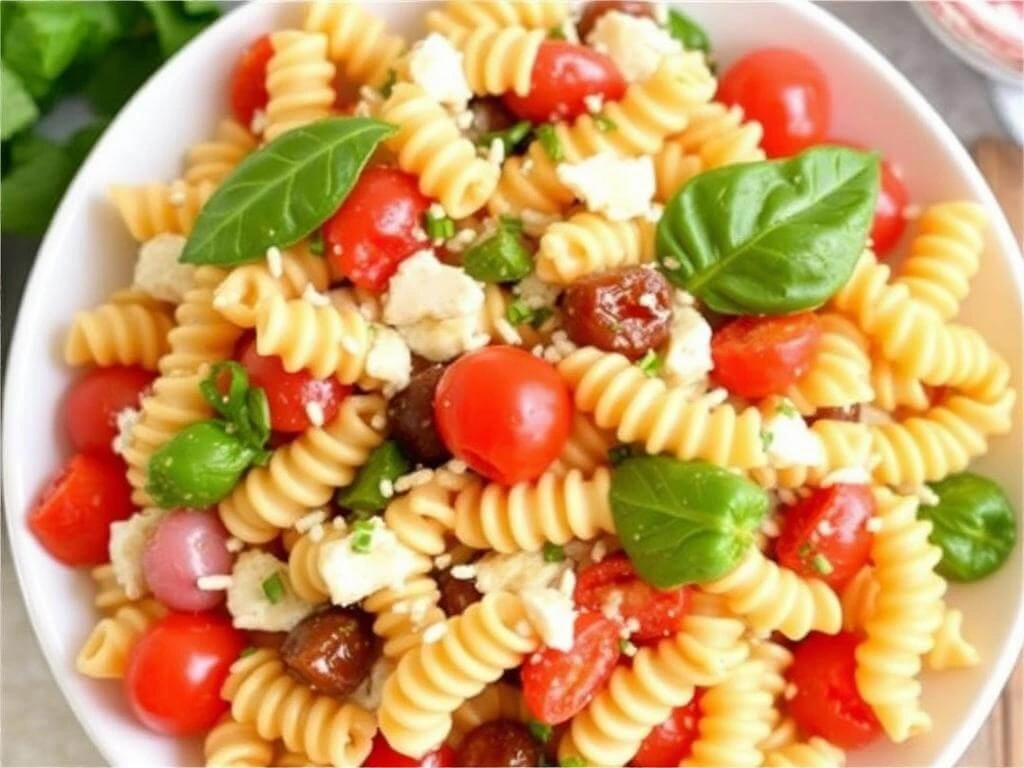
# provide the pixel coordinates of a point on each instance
(105, 652)
(201, 336)
(895, 389)
(673, 167)
(109, 594)
(586, 449)
(458, 17)
(498, 60)
(816, 752)
(210, 161)
(840, 374)
(299, 81)
(358, 43)
(403, 613)
(118, 334)
(589, 242)
(231, 744)
(495, 323)
(155, 209)
(846, 444)
(498, 701)
(304, 563)
(423, 518)
(718, 135)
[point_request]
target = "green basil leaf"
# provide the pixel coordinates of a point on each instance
(772, 237)
(228, 404)
(386, 464)
(501, 258)
(973, 523)
(687, 31)
(198, 466)
(683, 522)
(42, 41)
(283, 191)
(18, 109)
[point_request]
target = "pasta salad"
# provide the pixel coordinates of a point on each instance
(535, 392)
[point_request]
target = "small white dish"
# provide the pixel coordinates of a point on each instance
(87, 253)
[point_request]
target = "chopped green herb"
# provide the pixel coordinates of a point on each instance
(604, 123)
(573, 761)
(518, 312)
(556, 33)
(438, 227)
(389, 84)
(273, 588)
(821, 564)
(316, 243)
(249, 651)
(650, 363)
(501, 258)
(549, 140)
(619, 453)
(626, 646)
(362, 536)
(541, 731)
(553, 553)
(786, 408)
(512, 137)
(386, 464)
(687, 31)
(766, 439)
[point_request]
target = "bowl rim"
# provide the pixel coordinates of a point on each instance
(16, 497)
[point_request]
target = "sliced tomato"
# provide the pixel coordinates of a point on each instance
(760, 356)
(73, 516)
(95, 400)
(564, 74)
(558, 684)
(249, 82)
(671, 742)
(890, 206)
(614, 583)
(383, 755)
(826, 701)
(825, 535)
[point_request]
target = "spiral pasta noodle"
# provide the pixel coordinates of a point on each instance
(816, 752)
(641, 696)
(458, 17)
(586, 449)
(907, 612)
(494, 320)
(299, 81)
(718, 135)
(211, 161)
(776, 659)
(302, 474)
(673, 167)
(105, 652)
(110, 595)
(770, 598)
(429, 144)
(590, 242)
(153, 209)
(846, 444)
(231, 744)
(498, 701)
(423, 518)
(894, 389)
(944, 255)
(950, 649)
(500, 60)
(858, 599)
(304, 564)
(201, 335)
(325, 340)
(118, 334)
(402, 613)
(326, 730)
(527, 515)
(665, 419)
(840, 373)
(433, 680)
(357, 42)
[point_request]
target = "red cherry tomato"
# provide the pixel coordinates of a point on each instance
(827, 702)
(383, 755)
(375, 229)
(564, 74)
(176, 670)
(504, 412)
(73, 515)
(671, 742)
(289, 393)
(558, 684)
(615, 581)
(760, 356)
(249, 82)
(786, 92)
(893, 198)
(824, 535)
(94, 401)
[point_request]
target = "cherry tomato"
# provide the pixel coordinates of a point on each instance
(558, 684)
(289, 394)
(94, 401)
(176, 670)
(375, 229)
(670, 743)
(760, 356)
(615, 581)
(564, 74)
(504, 412)
(893, 198)
(824, 535)
(786, 92)
(73, 515)
(249, 82)
(827, 702)
(383, 755)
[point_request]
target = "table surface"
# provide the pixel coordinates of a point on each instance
(40, 730)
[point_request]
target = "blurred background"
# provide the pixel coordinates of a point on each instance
(54, 106)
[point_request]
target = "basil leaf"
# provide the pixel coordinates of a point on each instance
(501, 258)
(771, 237)
(974, 525)
(19, 111)
(386, 464)
(283, 191)
(687, 31)
(198, 466)
(683, 522)
(42, 41)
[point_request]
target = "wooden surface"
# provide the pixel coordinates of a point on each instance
(1001, 741)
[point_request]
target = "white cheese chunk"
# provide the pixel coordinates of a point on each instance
(158, 271)
(687, 359)
(436, 66)
(846, 475)
(535, 293)
(515, 572)
(248, 603)
(636, 44)
(369, 692)
(789, 441)
(352, 574)
(621, 188)
(552, 615)
(389, 359)
(128, 539)
(126, 419)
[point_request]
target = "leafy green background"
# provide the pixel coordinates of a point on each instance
(55, 49)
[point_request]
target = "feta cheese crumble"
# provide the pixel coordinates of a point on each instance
(846, 475)
(789, 442)
(125, 420)
(353, 572)
(436, 66)
(636, 44)
(552, 615)
(128, 539)
(248, 603)
(158, 271)
(687, 359)
(514, 572)
(389, 359)
(619, 187)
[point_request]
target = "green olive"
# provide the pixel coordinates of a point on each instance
(199, 466)
(974, 525)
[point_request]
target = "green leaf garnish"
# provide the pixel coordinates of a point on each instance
(386, 464)
(273, 588)
(542, 732)
(550, 142)
(438, 227)
(512, 137)
(501, 258)
(604, 123)
(362, 536)
(18, 108)
(787, 409)
(552, 553)
(687, 31)
(650, 363)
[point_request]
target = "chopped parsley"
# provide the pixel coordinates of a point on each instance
(518, 312)
(541, 731)
(626, 646)
(786, 408)
(650, 363)
(766, 439)
(604, 123)
(553, 553)
(549, 140)
(557, 32)
(362, 536)
(821, 564)
(273, 588)
(248, 651)
(512, 137)
(438, 227)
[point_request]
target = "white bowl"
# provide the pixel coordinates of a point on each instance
(87, 252)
